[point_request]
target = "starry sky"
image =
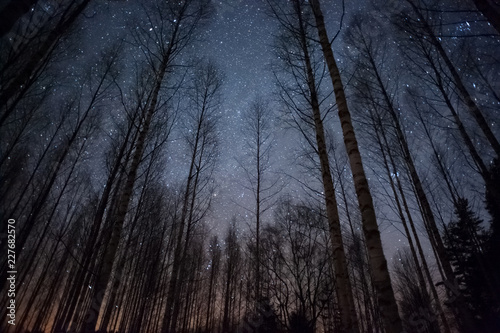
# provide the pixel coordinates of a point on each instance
(239, 39)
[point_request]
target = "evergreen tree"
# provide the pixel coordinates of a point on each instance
(493, 207)
(465, 240)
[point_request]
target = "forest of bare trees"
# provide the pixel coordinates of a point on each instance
(110, 167)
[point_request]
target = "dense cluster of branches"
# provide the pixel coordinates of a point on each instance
(108, 240)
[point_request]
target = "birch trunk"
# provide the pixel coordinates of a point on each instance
(377, 261)
(349, 321)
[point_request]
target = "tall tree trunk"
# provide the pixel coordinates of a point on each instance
(483, 170)
(349, 321)
(378, 263)
(393, 173)
(257, 226)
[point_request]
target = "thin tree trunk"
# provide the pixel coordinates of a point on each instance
(390, 174)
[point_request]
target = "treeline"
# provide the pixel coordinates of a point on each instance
(106, 241)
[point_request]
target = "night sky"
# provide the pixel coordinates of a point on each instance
(93, 170)
(239, 38)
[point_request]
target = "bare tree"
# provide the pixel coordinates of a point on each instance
(299, 243)
(79, 121)
(162, 45)
(374, 94)
(201, 135)
(302, 63)
(415, 22)
(258, 131)
(416, 307)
